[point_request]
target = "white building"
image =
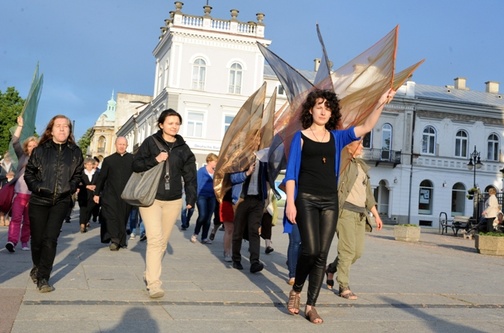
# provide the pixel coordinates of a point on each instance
(206, 68)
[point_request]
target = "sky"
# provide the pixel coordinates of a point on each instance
(89, 49)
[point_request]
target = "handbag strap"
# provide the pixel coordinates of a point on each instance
(167, 166)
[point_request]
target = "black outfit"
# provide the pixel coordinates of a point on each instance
(85, 198)
(182, 166)
(52, 174)
(114, 174)
(248, 217)
(317, 213)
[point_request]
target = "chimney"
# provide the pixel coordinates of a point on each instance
(492, 87)
(460, 83)
(316, 63)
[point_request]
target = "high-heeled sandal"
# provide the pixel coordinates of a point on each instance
(329, 282)
(313, 316)
(293, 303)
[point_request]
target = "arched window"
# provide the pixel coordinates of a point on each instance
(386, 141)
(429, 140)
(102, 142)
(461, 144)
(458, 199)
(235, 78)
(198, 74)
(493, 147)
(425, 198)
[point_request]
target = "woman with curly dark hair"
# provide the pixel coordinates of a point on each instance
(52, 174)
(311, 181)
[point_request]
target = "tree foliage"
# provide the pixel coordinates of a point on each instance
(85, 141)
(11, 105)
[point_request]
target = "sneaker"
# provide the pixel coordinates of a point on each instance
(44, 286)
(206, 241)
(194, 238)
(132, 236)
(156, 292)
(143, 237)
(256, 267)
(10, 247)
(228, 258)
(269, 249)
(33, 274)
(237, 265)
(25, 247)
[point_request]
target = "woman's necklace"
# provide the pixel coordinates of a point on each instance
(324, 159)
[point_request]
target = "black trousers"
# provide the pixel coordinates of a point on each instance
(316, 218)
(248, 216)
(45, 227)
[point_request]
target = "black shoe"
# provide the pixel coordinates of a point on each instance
(10, 247)
(237, 265)
(33, 274)
(114, 247)
(269, 249)
(143, 238)
(256, 267)
(212, 235)
(44, 286)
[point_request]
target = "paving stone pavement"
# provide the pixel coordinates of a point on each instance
(440, 284)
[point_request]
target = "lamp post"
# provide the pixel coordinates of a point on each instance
(474, 164)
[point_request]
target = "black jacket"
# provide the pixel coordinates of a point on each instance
(53, 172)
(182, 165)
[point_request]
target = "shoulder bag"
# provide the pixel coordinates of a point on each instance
(141, 188)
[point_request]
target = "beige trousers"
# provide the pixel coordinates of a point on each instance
(158, 220)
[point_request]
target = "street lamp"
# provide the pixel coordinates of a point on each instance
(474, 163)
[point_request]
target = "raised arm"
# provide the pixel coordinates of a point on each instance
(371, 121)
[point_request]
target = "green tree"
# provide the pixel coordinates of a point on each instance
(85, 141)
(11, 105)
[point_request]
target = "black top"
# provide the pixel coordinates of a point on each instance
(317, 167)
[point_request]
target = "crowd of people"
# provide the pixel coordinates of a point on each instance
(326, 183)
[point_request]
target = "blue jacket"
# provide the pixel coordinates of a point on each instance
(238, 179)
(341, 139)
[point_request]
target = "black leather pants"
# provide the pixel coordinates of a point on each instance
(316, 217)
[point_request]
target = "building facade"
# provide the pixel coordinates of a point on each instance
(419, 151)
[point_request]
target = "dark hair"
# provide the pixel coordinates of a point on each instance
(331, 101)
(47, 135)
(167, 113)
(96, 159)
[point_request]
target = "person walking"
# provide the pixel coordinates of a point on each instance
(52, 174)
(86, 193)
(112, 178)
(160, 217)
(206, 199)
(356, 200)
(311, 187)
(19, 227)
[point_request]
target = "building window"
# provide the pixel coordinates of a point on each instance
(102, 142)
(386, 141)
(227, 122)
(195, 122)
(428, 140)
(425, 198)
(368, 138)
(281, 90)
(198, 74)
(493, 147)
(235, 78)
(458, 199)
(461, 144)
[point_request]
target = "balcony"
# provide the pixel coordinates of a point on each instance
(384, 156)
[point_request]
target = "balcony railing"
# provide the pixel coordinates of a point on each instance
(379, 155)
